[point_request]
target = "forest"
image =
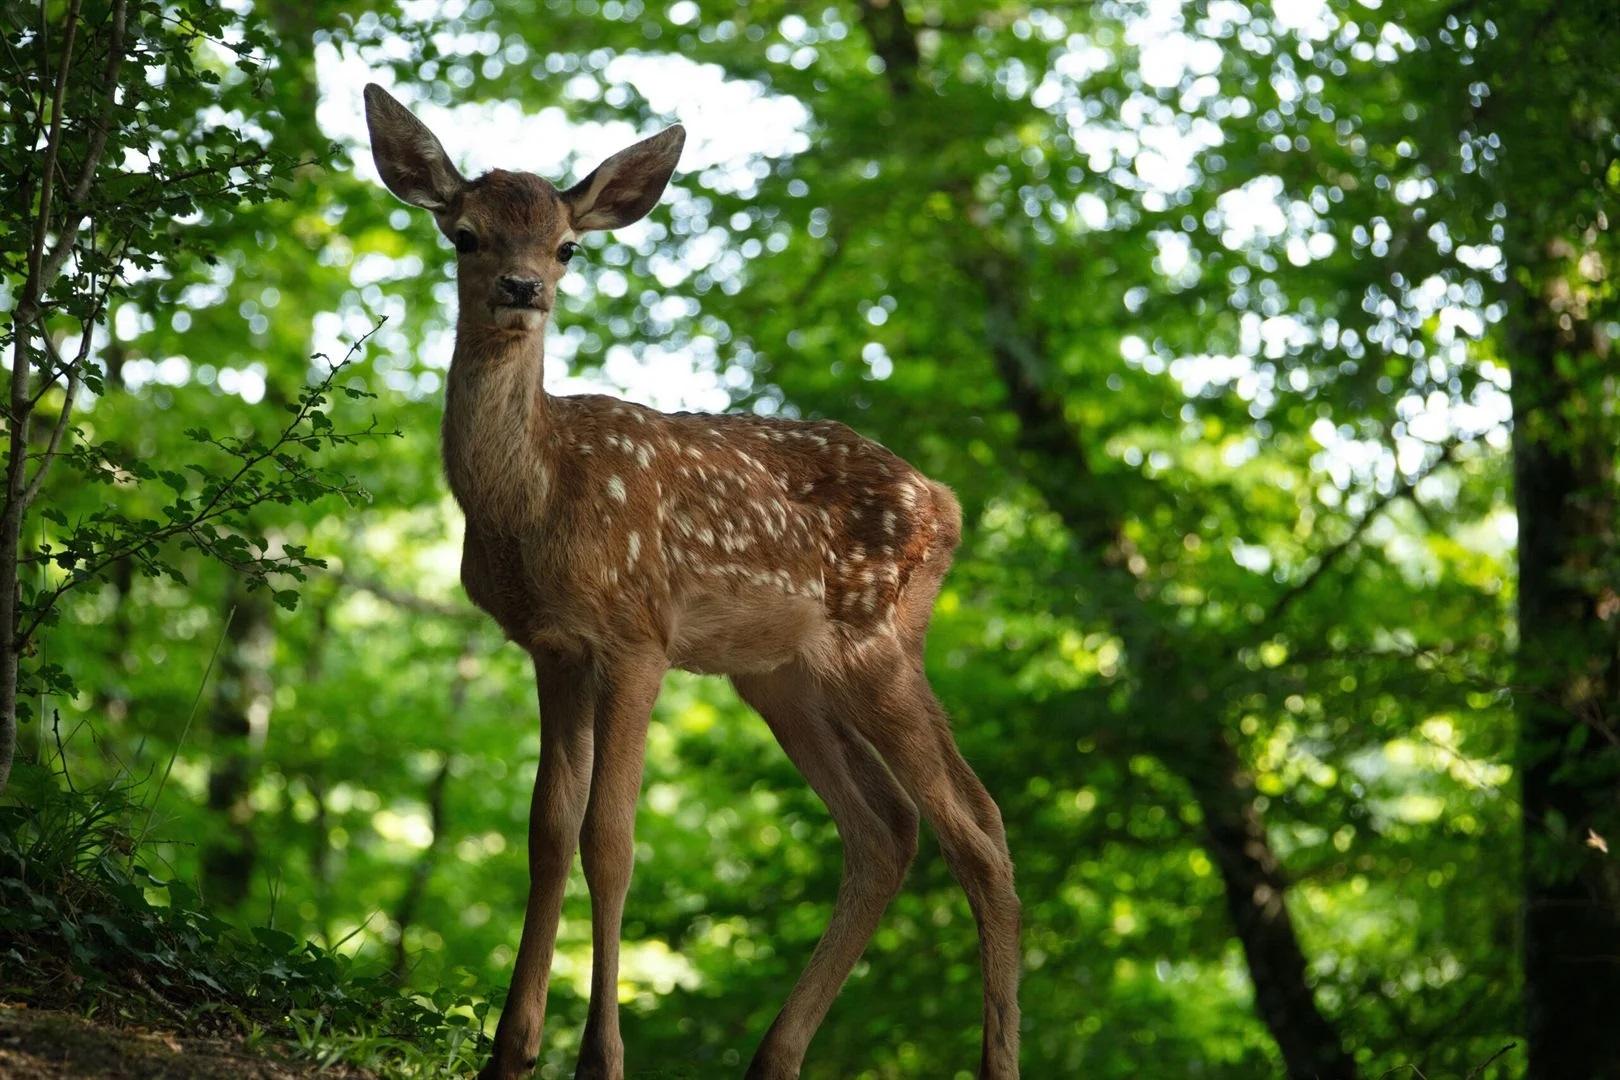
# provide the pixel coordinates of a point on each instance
(1269, 348)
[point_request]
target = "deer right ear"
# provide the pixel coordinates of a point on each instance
(627, 185)
(412, 162)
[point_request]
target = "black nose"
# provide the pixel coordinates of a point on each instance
(520, 290)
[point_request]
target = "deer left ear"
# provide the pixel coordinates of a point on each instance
(627, 185)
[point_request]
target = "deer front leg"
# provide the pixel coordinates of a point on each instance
(568, 693)
(607, 845)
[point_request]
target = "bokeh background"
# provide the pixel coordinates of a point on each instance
(1207, 313)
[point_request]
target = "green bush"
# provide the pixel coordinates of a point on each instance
(85, 925)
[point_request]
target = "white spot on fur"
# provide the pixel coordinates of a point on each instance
(615, 488)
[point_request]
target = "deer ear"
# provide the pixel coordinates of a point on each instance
(627, 185)
(412, 162)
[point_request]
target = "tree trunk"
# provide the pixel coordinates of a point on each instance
(10, 536)
(1255, 897)
(1062, 474)
(416, 887)
(1234, 831)
(238, 722)
(111, 703)
(10, 530)
(1569, 700)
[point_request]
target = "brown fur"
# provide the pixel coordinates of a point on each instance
(614, 542)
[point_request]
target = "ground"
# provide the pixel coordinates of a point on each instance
(50, 1045)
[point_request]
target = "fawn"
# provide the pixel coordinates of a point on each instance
(614, 542)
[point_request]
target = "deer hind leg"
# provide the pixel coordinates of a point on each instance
(893, 706)
(568, 693)
(878, 826)
(607, 846)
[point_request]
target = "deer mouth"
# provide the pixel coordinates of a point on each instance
(525, 316)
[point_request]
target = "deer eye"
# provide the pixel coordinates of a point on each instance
(466, 242)
(567, 251)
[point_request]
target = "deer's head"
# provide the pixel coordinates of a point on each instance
(513, 231)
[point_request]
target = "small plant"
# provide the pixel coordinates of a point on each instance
(84, 925)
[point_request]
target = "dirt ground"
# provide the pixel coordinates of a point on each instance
(39, 1044)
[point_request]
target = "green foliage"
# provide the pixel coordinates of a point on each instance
(1215, 349)
(208, 512)
(120, 152)
(83, 923)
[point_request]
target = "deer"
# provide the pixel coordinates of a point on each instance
(614, 542)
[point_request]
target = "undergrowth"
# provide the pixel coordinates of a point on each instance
(85, 926)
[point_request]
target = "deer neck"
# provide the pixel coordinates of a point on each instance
(496, 426)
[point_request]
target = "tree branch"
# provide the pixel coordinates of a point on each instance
(406, 601)
(75, 374)
(1327, 560)
(216, 506)
(1044, 430)
(31, 491)
(68, 236)
(27, 306)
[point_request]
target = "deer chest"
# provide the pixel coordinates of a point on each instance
(526, 587)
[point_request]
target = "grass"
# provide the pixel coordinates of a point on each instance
(86, 929)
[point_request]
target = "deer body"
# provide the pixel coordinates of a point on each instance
(737, 544)
(613, 542)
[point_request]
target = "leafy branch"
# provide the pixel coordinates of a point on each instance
(207, 518)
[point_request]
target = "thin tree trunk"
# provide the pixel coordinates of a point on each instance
(42, 270)
(238, 722)
(10, 534)
(112, 699)
(320, 854)
(320, 845)
(416, 887)
(25, 318)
